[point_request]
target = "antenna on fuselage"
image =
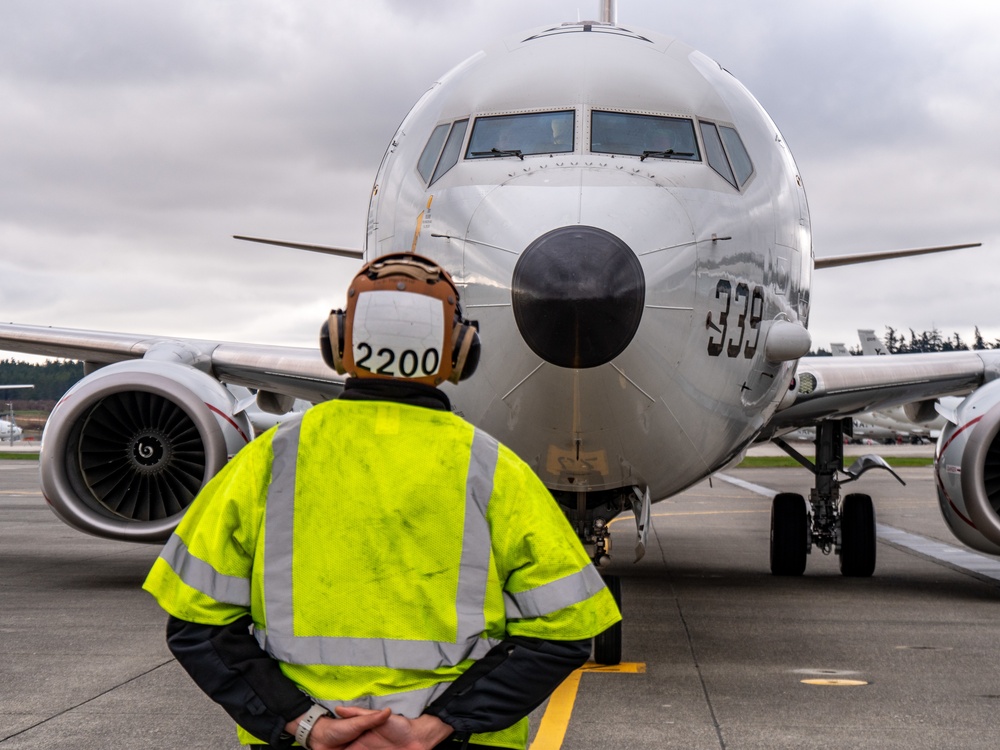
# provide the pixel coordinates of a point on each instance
(609, 12)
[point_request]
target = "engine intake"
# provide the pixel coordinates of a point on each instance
(967, 469)
(128, 448)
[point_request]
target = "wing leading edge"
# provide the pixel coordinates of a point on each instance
(850, 260)
(293, 371)
(834, 387)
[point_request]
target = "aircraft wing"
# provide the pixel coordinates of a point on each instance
(292, 371)
(834, 387)
(850, 260)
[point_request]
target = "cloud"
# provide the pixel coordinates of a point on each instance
(137, 139)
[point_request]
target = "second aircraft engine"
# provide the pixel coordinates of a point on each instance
(967, 470)
(128, 447)
(921, 412)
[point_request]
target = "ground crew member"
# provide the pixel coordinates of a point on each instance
(378, 572)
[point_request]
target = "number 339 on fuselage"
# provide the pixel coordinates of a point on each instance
(627, 225)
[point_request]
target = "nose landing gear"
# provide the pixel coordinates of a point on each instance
(591, 514)
(608, 645)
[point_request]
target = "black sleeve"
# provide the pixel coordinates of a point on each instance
(229, 665)
(508, 683)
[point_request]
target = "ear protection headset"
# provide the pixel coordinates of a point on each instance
(403, 321)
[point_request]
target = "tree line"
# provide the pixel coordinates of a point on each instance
(933, 340)
(51, 380)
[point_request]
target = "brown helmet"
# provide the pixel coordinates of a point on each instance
(404, 322)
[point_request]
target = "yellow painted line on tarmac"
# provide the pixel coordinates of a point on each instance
(835, 683)
(555, 720)
(625, 667)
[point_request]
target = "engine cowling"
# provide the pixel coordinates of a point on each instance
(127, 448)
(967, 470)
(921, 412)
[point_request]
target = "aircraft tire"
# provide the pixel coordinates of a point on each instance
(608, 645)
(857, 528)
(789, 534)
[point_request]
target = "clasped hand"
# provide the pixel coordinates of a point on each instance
(365, 729)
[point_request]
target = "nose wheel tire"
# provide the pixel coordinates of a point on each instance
(789, 534)
(857, 528)
(608, 645)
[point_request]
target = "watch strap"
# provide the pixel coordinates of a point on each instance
(306, 724)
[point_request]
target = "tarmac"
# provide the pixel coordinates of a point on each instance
(906, 659)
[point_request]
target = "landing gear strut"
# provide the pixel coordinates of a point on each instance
(846, 527)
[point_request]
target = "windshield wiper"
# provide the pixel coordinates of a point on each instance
(668, 154)
(498, 152)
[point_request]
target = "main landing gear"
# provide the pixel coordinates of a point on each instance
(845, 527)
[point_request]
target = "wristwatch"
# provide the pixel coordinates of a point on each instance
(306, 724)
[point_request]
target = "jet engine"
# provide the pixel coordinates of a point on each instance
(967, 470)
(128, 447)
(921, 412)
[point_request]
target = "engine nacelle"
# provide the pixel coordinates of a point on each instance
(921, 412)
(128, 447)
(967, 467)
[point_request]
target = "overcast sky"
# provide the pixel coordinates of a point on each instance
(135, 138)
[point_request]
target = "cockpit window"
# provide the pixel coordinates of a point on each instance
(429, 156)
(522, 135)
(716, 153)
(645, 136)
(449, 156)
(738, 156)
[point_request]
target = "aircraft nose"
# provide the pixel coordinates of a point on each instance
(578, 294)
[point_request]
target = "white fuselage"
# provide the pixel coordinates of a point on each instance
(720, 263)
(9, 431)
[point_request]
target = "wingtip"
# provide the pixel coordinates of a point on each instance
(342, 252)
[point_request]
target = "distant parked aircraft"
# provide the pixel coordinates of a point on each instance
(8, 430)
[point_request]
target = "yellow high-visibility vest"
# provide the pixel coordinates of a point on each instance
(381, 549)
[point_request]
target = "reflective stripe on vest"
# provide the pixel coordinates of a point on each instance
(279, 639)
(555, 595)
(410, 703)
(202, 577)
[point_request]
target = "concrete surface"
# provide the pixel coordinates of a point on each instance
(727, 646)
